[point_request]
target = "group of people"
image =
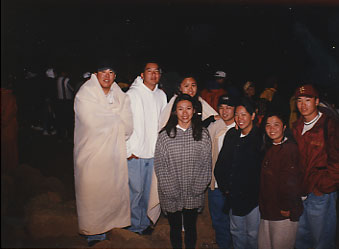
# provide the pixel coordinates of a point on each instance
(136, 155)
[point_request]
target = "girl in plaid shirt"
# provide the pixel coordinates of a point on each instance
(182, 164)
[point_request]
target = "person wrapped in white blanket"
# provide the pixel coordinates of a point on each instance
(103, 122)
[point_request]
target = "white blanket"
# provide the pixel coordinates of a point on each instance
(100, 166)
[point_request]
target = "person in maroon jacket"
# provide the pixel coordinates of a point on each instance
(280, 201)
(317, 137)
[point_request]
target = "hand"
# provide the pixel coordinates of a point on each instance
(285, 213)
(216, 117)
(132, 156)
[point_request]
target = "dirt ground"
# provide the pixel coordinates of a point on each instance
(38, 204)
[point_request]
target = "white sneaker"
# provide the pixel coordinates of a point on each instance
(45, 133)
(37, 128)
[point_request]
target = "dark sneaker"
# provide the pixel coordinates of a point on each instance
(93, 242)
(148, 231)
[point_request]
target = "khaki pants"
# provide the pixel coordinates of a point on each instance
(277, 234)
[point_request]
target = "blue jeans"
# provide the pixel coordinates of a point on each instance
(101, 236)
(139, 180)
(317, 225)
(220, 220)
(244, 229)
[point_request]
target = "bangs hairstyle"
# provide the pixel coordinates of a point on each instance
(250, 108)
(181, 78)
(286, 133)
(247, 104)
(172, 122)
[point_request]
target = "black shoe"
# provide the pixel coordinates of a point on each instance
(148, 231)
(93, 242)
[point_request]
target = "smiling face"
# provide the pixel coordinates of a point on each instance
(189, 86)
(307, 107)
(244, 119)
(275, 129)
(184, 111)
(151, 75)
(106, 79)
(226, 113)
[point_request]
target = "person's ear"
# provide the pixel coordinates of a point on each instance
(142, 75)
(253, 116)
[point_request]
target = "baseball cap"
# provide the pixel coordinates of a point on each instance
(105, 64)
(227, 100)
(220, 74)
(306, 90)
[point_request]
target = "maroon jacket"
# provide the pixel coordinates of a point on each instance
(319, 155)
(280, 183)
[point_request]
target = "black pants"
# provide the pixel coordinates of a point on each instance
(189, 216)
(64, 119)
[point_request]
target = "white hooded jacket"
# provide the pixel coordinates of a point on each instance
(146, 107)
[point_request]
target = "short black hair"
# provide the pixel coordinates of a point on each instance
(104, 64)
(147, 61)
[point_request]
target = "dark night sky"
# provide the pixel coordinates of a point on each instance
(247, 40)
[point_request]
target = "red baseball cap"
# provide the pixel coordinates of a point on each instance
(306, 90)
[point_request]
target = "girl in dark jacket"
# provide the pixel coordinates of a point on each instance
(237, 172)
(280, 189)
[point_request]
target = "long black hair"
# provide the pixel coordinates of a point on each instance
(172, 122)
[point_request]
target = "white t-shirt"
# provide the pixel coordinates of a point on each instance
(309, 125)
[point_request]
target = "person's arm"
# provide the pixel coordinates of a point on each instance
(220, 170)
(327, 176)
(203, 172)
(167, 183)
(208, 121)
(133, 143)
(126, 116)
(290, 180)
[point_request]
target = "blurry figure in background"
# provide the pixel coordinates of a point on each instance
(261, 111)
(124, 86)
(81, 80)
(147, 102)
(9, 126)
(216, 199)
(103, 122)
(214, 89)
(270, 90)
(249, 92)
(182, 164)
(317, 135)
(189, 85)
(49, 86)
(237, 172)
(169, 81)
(274, 98)
(64, 108)
(280, 201)
(294, 114)
(32, 99)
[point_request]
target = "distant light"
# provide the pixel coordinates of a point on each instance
(333, 47)
(290, 8)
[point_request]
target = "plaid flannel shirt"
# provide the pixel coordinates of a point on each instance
(183, 168)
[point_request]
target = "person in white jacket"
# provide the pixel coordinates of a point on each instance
(147, 102)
